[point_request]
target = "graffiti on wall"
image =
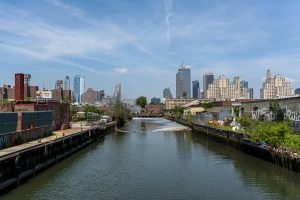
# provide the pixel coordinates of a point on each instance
(265, 114)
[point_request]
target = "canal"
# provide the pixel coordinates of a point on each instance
(149, 164)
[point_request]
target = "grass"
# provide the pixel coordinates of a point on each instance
(292, 141)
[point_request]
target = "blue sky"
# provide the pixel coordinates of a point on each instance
(142, 43)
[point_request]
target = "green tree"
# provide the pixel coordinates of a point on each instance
(90, 108)
(141, 101)
(177, 112)
(73, 111)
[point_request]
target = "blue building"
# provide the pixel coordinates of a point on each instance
(196, 89)
(79, 87)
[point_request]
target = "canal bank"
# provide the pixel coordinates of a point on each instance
(146, 164)
(19, 163)
(281, 157)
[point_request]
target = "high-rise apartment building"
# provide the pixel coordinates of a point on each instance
(196, 89)
(183, 82)
(167, 93)
(222, 88)
(79, 87)
(276, 87)
(208, 78)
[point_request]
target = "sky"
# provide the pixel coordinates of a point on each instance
(141, 44)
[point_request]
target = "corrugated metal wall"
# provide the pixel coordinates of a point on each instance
(36, 119)
(8, 122)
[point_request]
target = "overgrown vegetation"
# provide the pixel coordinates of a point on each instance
(189, 118)
(121, 113)
(276, 133)
(207, 105)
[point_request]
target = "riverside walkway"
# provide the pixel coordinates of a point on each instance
(56, 135)
(24, 161)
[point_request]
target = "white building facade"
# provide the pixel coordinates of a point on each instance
(222, 88)
(277, 87)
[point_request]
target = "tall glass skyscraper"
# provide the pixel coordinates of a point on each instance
(196, 89)
(79, 87)
(118, 92)
(67, 83)
(183, 82)
(167, 93)
(208, 78)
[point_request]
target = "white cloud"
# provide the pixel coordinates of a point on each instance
(169, 14)
(121, 70)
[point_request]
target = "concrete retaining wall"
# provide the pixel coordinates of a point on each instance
(239, 142)
(24, 164)
(14, 138)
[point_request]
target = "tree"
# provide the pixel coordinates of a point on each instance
(178, 112)
(141, 101)
(73, 111)
(90, 108)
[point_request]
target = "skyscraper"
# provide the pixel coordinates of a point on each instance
(196, 89)
(183, 82)
(167, 93)
(79, 87)
(118, 92)
(67, 83)
(208, 78)
(244, 84)
(246, 92)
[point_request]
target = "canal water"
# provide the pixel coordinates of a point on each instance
(149, 164)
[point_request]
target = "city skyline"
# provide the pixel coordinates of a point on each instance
(236, 39)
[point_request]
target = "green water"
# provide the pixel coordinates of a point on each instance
(146, 164)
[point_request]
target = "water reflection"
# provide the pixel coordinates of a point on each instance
(142, 164)
(277, 181)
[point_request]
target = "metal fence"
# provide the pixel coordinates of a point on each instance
(36, 119)
(8, 122)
